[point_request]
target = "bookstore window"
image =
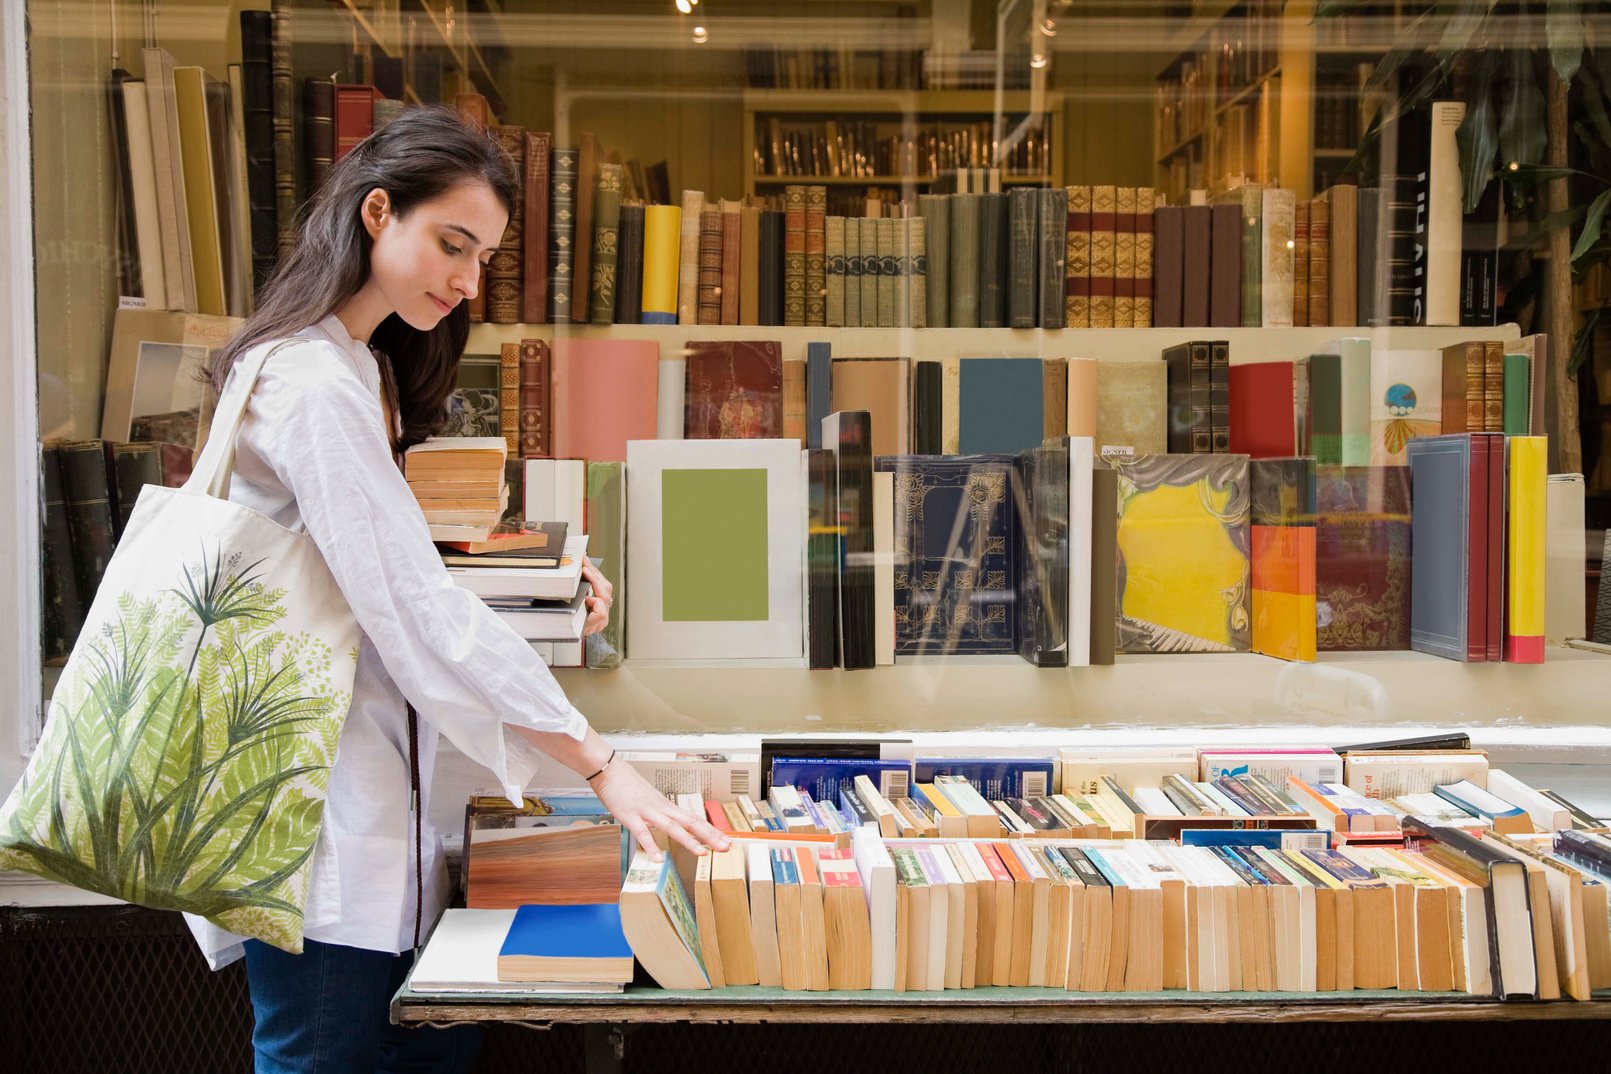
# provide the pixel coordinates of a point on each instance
(1189, 239)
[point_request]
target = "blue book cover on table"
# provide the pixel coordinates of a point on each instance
(1273, 838)
(994, 778)
(586, 930)
(826, 778)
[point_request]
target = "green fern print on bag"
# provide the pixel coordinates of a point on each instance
(187, 755)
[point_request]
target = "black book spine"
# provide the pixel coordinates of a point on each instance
(1053, 257)
(769, 297)
(257, 108)
(852, 445)
(822, 557)
(134, 466)
(89, 514)
(992, 261)
(1219, 395)
(928, 413)
(1406, 265)
(128, 246)
(63, 612)
(318, 130)
(629, 270)
(1022, 292)
(1178, 359)
(1367, 255)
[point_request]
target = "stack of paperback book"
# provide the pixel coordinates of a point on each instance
(530, 573)
(458, 481)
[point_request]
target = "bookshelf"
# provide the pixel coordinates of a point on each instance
(894, 138)
(422, 34)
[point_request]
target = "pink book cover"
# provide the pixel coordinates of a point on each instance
(734, 390)
(605, 392)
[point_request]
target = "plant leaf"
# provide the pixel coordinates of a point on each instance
(1563, 30)
(1528, 174)
(1479, 133)
(1592, 224)
(1464, 24)
(1522, 124)
(1583, 344)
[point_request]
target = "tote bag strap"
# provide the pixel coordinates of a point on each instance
(212, 471)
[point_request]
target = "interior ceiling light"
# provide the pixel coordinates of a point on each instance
(1048, 26)
(1038, 60)
(685, 6)
(701, 35)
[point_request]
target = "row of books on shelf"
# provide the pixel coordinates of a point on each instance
(892, 150)
(779, 67)
(1474, 883)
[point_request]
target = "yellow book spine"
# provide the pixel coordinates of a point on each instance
(662, 237)
(1524, 567)
(201, 210)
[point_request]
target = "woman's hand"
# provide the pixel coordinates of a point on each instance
(640, 808)
(598, 605)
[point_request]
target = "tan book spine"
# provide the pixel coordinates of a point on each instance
(1104, 209)
(1124, 257)
(1493, 387)
(509, 396)
(1077, 282)
(1146, 204)
(710, 267)
(1343, 275)
(1319, 264)
(1300, 265)
(816, 276)
(732, 244)
(794, 399)
(693, 204)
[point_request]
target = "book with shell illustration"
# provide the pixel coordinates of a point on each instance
(1183, 583)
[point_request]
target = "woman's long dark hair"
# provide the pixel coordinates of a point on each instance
(417, 156)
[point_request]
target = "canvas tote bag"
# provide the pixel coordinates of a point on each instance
(187, 754)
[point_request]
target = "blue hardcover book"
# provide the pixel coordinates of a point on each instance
(826, 778)
(955, 547)
(1000, 405)
(994, 778)
(1440, 544)
(582, 942)
(1273, 838)
(819, 390)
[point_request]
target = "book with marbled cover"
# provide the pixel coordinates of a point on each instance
(1362, 557)
(734, 390)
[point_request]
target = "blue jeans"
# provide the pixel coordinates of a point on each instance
(327, 1011)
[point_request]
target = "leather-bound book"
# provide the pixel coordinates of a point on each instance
(318, 130)
(816, 290)
(1319, 264)
(286, 195)
(606, 243)
(587, 170)
(1104, 210)
(732, 247)
(1277, 272)
(734, 390)
(1300, 264)
(1367, 256)
(503, 273)
(257, 109)
(769, 297)
(835, 252)
(562, 236)
(693, 204)
(749, 260)
(994, 245)
(355, 116)
(936, 210)
(1493, 387)
(964, 305)
(1219, 394)
(1077, 267)
(509, 396)
(927, 408)
(536, 435)
(710, 266)
(794, 255)
(1342, 209)
(89, 513)
(1190, 419)
(63, 611)
(1146, 200)
(853, 311)
(1225, 267)
(1169, 266)
(1023, 243)
(1053, 267)
(629, 266)
(847, 436)
(1124, 257)
(134, 466)
(1197, 259)
(534, 233)
(1463, 388)
(889, 272)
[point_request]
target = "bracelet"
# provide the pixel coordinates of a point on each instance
(602, 767)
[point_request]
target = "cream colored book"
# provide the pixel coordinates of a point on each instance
(705, 920)
(813, 921)
(1576, 897)
(763, 916)
(787, 913)
(1473, 971)
(729, 888)
(142, 180)
(1303, 934)
(849, 934)
(983, 820)
(1334, 923)
(968, 882)
(878, 884)
(976, 974)
(659, 923)
(1041, 910)
(1060, 907)
(939, 939)
(911, 921)
(956, 927)
(890, 824)
(1084, 767)
(1144, 964)
(1172, 886)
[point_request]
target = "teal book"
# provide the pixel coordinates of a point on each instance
(1000, 405)
(936, 210)
(1518, 394)
(566, 943)
(1339, 404)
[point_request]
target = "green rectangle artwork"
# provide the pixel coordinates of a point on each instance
(713, 533)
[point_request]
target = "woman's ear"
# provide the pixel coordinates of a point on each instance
(376, 211)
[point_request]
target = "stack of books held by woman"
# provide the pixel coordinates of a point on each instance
(458, 481)
(530, 573)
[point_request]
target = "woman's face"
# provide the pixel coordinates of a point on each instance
(428, 261)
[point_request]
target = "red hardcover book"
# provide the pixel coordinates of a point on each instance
(355, 116)
(534, 298)
(1477, 564)
(734, 390)
(1263, 418)
(1496, 545)
(536, 439)
(717, 816)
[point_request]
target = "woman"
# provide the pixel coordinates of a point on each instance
(390, 249)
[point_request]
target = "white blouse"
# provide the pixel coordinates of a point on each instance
(313, 454)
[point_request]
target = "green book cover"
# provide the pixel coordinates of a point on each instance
(964, 311)
(606, 522)
(606, 229)
(936, 225)
(1518, 398)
